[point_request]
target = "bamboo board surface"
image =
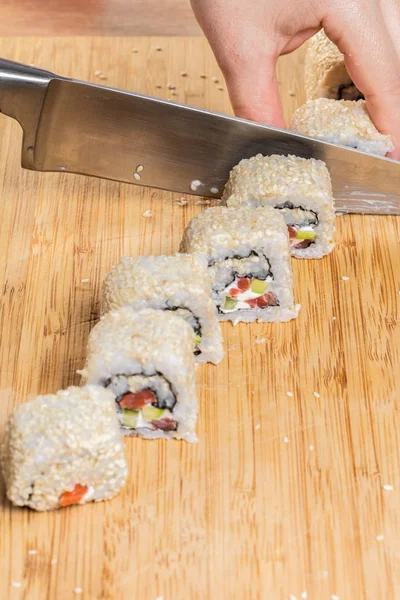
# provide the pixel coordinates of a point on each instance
(243, 514)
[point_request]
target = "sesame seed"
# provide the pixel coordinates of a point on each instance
(147, 213)
(158, 48)
(325, 574)
(136, 176)
(53, 561)
(174, 94)
(215, 79)
(311, 447)
(333, 318)
(102, 77)
(160, 598)
(291, 597)
(388, 487)
(203, 76)
(171, 86)
(32, 552)
(62, 168)
(316, 394)
(84, 280)
(134, 50)
(285, 439)
(158, 87)
(183, 74)
(214, 190)
(257, 426)
(139, 168)
(304, 595)
(16, 584)
(345, 278)
(291, 93)
(334, 597)
(379, 537)
(290, 394)
(221, 89)
(181, 202)
(78, 590)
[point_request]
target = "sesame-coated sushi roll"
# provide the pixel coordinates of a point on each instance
(249, 258)
(63, 449)
(146, 358)
(299, 188)
(179, 283)
(342, 122)
(326, 75)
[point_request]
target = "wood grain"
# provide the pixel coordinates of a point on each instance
(97, 17)
(241, 515)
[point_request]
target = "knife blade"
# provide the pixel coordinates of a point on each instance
(77, 127)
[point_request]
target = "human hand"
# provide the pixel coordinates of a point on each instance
(248, 36)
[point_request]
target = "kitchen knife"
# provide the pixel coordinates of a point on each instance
(94, 130)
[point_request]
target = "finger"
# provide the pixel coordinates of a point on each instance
(254, 91)
(391, 15)
(373, 64)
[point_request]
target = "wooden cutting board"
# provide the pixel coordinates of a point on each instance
(286, 493)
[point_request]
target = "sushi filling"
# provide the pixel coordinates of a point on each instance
(301, 225)
(193, 321)
(243, 284)
(144, 402)
(349, 92)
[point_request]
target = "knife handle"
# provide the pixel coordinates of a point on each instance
(22, 93)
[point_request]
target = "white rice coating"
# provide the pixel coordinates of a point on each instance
(130, 342)
(342, 122)
(55, 441)
(224, 232)
(325, 70)
(272, 180)
(180, 280)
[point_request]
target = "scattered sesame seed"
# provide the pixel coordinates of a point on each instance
(139, 168)
(136, 176)
(84, 280)
(160, 598)
(203, 76)
(171, 86)
(134, 50)
(257, 426)
(158, 48)
(183, 74)
(214, 190)
(316, 394)
(16, 584)
(345, 278)
(291, 93)
(195, 184)
(334, 597)
(379, 537)
(32, 552)
(215, 79)
(303, 595)
(158, 87)
(147, 213)
(174, 93)
(53, 561)
(311, 447)
(333, 318)
(388, 487)
(102, 77)
(97, 73)
(259, 341)
(290, 394)
(181, 202)
(285, 439)
(62, 168)
(221, 89)
(291, 597)
(78, 590)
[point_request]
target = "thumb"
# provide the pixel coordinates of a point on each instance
(253, 90)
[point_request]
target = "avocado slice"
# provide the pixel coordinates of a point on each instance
(130, 418)
(230, 303)
(305, 235)
(197, 339)
(151, 413)
(258, 286)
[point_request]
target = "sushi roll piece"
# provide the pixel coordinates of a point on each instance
(64, 448)
(299, 188)
(249, 261)
(342, 122)
(179, 283)
(326, 75)
(146, 359)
